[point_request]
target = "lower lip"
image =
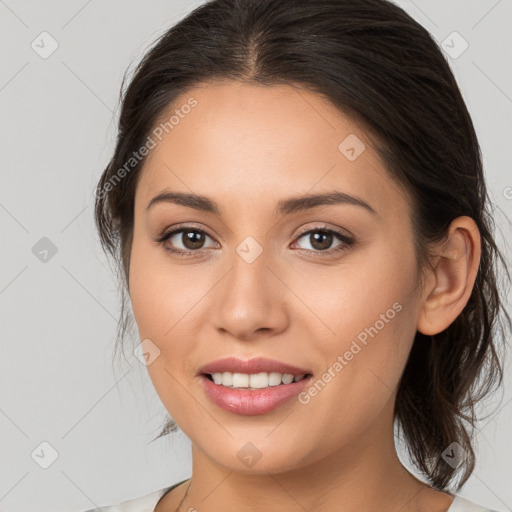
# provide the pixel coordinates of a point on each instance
(251, 402)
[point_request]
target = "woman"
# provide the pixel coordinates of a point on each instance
(297, 205)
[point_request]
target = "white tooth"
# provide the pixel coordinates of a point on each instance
(240, 380)
(258, 380)
(287, 378)
(227, 379)
(274, 379)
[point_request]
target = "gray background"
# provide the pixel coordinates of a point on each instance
(58, 317)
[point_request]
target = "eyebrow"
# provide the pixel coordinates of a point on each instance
(284, 206)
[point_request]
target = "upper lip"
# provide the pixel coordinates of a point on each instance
(251, 366)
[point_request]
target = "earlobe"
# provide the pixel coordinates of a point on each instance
(452, 278)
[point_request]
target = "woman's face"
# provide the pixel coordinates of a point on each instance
(344, 309)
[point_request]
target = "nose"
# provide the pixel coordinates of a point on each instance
(250, 301)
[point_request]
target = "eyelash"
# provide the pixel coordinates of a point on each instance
(347, 242)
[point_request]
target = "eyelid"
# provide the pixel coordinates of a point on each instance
(323, 226)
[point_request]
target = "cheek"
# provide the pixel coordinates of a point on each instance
(370, 309)
(167, 300)
(362, 366)
(361, 292)
(162, 304)
(378, 323)
(162, 294)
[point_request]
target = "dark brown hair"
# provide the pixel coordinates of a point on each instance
(376, 64)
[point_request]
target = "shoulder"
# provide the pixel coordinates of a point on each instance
(461, 504)
(146, 503)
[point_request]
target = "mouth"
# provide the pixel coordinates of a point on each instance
(261, 380)
(252, 387)
(253, 394)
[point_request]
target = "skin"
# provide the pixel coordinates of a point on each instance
(246, 147)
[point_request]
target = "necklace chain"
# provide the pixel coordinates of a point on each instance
(183, 499)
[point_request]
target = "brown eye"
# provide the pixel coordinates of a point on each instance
(184, 240)
(192, 239)
(321, 240)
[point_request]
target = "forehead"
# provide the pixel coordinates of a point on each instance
(245, 142)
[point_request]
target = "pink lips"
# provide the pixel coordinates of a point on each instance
(251, 402)
(256, 365)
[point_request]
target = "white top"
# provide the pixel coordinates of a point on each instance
(147, 503)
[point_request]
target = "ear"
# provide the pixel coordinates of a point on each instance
(450, 281)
